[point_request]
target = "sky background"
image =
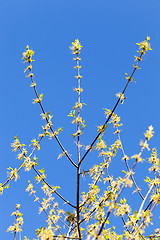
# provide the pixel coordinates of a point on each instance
(108, 32)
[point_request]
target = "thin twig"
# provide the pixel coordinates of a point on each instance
(50, 218)
(143, 223)
(104, 126)
(52, 188)
(79, 158)
(15, 232)
(42, 108)
(124, 223)
(138, 190)
(22, 165)
(110, 210)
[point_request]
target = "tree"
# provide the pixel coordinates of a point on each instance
(105, 198)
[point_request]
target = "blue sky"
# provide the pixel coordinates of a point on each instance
(108, 32)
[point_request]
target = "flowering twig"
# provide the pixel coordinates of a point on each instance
(27, 56)
(76, 47)
(144, 46)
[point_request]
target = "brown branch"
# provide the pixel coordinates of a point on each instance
(104, 126)
(124, 223)
(52, 188)
(11, 177)
(79, 158)
(42, 108)
(65, 237)
(15, 232)
(21, 166)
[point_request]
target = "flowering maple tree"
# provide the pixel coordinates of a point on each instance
(90, 217)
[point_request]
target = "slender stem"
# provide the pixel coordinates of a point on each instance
(66, 237)
(149, 205)
(123, 186)
(79, 158)
(129, 80)
(109, 211)
(22, 165)
(78, 210)
(48, 216)
(52, 188)
(143, 223)
(95, 182)
(11, 177)
(142, 204)
(138, 190)
(42, 108)
(15, 232)
(124, 223)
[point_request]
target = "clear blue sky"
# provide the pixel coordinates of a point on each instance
(108, 32)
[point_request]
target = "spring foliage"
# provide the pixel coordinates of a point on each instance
(90, 217)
